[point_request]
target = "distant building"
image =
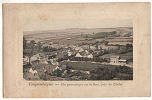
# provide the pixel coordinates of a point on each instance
(69, 53)
(44, 61)
(122, 61)
(57, 68)
(79, 49)
(55, 63)
(34, 72)
(108, 47)
(38, 56)
(62, 54)
(46, 45)
(85, 72)
(64, 66)
(116, 60)
(68, 38)
(84, 54)
(78, 55)
(93, 48)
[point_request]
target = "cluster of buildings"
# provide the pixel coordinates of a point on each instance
(64, 51)
(51, 60)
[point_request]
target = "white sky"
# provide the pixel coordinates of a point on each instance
(47, 24)
(61, 16)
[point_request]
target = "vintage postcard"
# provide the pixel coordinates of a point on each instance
(77, 50)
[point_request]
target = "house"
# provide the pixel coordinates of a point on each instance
(68, 38)
(85, 46)
(40, 57)
(35, 62)
(79, 49)
(62, 54)
(25, 60)
(97, 53)
(88, 47)
(28, 41)
(90, 56)
(56, 46)
(72, 46)
(37, 56)
(69, 53)
(64, 66)
(116, 60)
(34, 72)
(51, 56)
(122, 61)
(51, 69)
(54, 62)
(85, 72)
(46, 45)
(44, 61)
(57, 68)
(93, 48)
(84, 54)
(108, 47)
(78, 55)
(41, 68)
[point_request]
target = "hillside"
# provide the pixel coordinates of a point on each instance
(64, 33)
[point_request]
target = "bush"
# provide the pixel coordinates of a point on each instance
(124, 69)
(102, 74)
(57, 73)
(122, 76)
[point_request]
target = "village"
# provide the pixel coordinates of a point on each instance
(47, 60)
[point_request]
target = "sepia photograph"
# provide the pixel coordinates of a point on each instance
(76, 50)
(79, 50)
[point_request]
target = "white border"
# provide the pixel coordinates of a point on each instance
(67, 1)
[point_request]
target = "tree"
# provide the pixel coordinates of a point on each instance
(81, 34)
(113, 32)
(39, 46)
(24, 46)
(24, 43)
(86, 36)
(58, 73)
(97, 43)
(32, 42)
(102, 74)
(46, 49)
(122, 49)
(31, 53)
(129, 47)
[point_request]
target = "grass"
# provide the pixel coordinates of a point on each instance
(107, 55)
(87, 66)
(128, 55)
(98, 35)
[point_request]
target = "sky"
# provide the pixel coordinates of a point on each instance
(59, 16)
(44, 23)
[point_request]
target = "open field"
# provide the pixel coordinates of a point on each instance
(75, 33)
(126, 56)
(87, 66)
(119, 72)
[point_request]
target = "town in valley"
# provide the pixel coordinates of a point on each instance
(78, 54)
